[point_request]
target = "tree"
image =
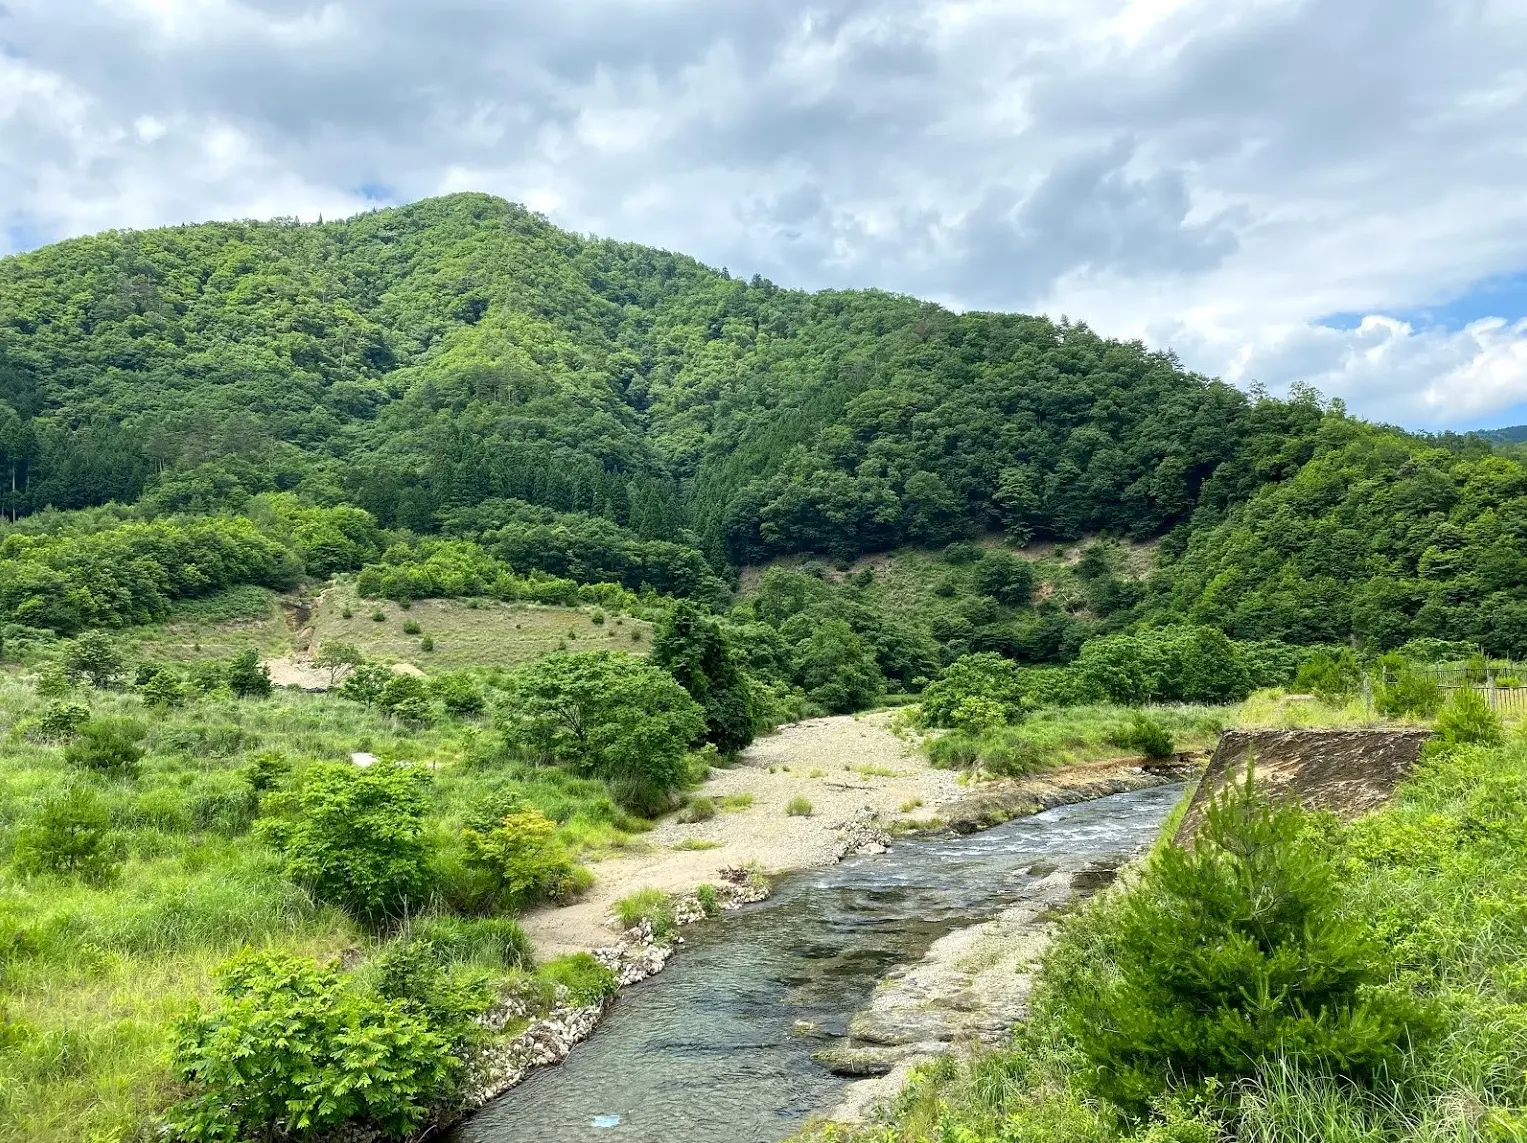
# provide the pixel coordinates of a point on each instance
(70, 834)
(607, 715)
(353, 837)
(406, 697)
(836, 669)
(1233, 952)
(93, 656)
(694, 650)
(108, 745)
(247, 676)
(1005, 578)
(985, 676)
(337, 658)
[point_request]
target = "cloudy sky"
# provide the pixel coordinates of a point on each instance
(1328, 191)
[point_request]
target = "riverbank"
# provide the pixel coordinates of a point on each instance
(864, 784)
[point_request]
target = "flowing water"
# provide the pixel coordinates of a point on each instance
(708, 1050)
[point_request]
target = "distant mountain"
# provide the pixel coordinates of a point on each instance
(1513, 434)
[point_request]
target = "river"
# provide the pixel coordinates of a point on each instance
(712, 1049)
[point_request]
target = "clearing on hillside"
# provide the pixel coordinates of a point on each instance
(475, 633)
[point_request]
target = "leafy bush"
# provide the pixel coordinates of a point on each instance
(70, 834)
(698, 810)
(353, 837)
(61, 721)
(1403, 690)
(973, 692)
(834, 666)
(954, 751)
(605, 715)
(94, 657)
(163, 689)
(1146, 735)
(427, 643)
(1332, 676)
(365, 683)
(1169, 664)
(411, 627)
(1235, 952)
(406, 697)
(1468, 719)
(247, 676)
(1005, 577)
(798, 807)
(294, 1051)
(709, 899)
(518, 856)
(586, 982)
(108, 745)
(1007, 755)
(458, 693)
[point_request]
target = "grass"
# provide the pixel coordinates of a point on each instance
(734, 803)
(467, 633)
(651, 905)
(698, 809)
(695, 844)
(93, 976)
(798, 807)
(216, 626)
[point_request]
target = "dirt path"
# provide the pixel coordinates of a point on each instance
(847, 767)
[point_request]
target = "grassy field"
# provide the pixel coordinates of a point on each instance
(92, 975)
(470, 633)
(217, 627)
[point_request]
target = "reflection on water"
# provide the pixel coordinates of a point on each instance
(709, 1052)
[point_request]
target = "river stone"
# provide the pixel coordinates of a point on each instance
(860, 1062)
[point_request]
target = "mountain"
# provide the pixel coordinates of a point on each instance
(1513, 434)
(460, 363)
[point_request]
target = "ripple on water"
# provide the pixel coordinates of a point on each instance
(710, 1051)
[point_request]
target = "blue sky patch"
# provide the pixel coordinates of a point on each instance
(1502, 296)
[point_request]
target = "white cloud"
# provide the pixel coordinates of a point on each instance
(1214, 175)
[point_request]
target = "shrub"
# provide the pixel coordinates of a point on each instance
(353, 837)
(364, 684)
(1235, 952)
(1404, 690)
(109, 745)
(163, 689)
(378, 616)
(1171, 664)
(1331, 676)
(652, 905)
(70, 835)
(1010, 756)
(411, 627)
(835, 667)
(406, 697)
(61, 721)
(710, 901)
(1146, 735)
(1005, 577)
(605, 715)
(247, 676)
(427, 643)
(294, 1051)
(798, 807)
(517, 855)
(458, 693)
(337, 658)
(266, 771)
(954, 751)
(974, 692)
(94, 657)
(1467, 718)
(586, 981)
(698, 810)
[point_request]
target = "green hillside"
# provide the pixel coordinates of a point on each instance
(462, 367)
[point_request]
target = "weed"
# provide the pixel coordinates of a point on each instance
(798, 807)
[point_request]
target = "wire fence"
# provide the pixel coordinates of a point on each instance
(1502, 682)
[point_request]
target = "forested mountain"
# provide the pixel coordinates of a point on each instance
(460, 366)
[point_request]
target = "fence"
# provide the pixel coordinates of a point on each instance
(1509, 701)
(1502, 682)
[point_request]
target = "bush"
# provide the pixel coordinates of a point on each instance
(70, 835)
(1146, 735)
(406, 697)
(365, 683)
(798, 807)
(294, 1051)
(954, 751)
(458, 693)
(1232, 953)
(605, 715)
(698, 810)
(586, 981)
(974, 692)
(163, 689)
(518, 857)
(61, 721)
(93, 656)
(1331, 676)
(1010, 756)
(835, 667)
(247, 676)
(1170, 664)
(1403, 690)
(1467, 718)
(1004, 577)
(427, 643)
(108, 745)
(411, 627)
(353, 837)
(709, 899)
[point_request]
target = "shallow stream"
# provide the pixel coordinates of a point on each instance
(708, 1050)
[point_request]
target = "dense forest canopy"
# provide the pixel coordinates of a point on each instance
(608, 412)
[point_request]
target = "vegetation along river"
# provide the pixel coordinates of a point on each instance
(712, 1049)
